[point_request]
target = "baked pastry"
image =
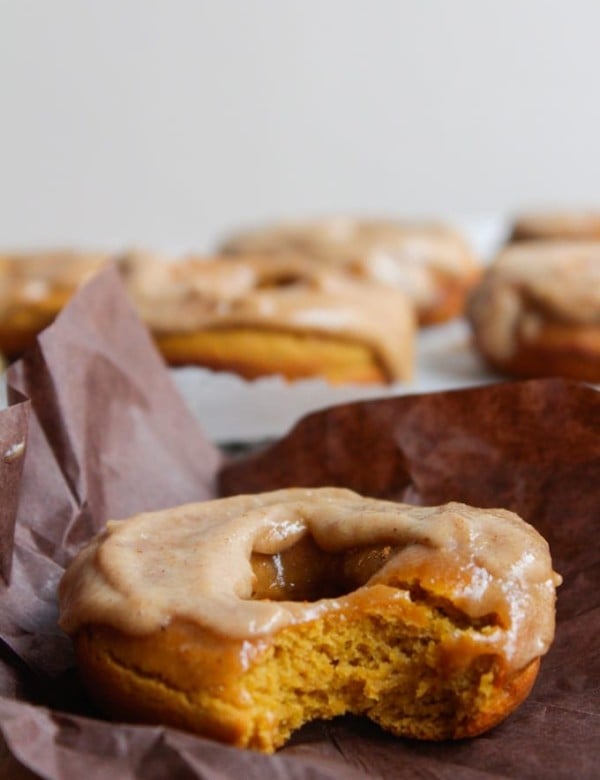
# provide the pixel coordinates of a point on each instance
(251, 316)
(245, 617)
(557, 226)
(258, 316)
(34, 286)
(537, 310)
(432, 263)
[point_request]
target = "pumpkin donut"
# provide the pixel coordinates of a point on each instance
(257, 316)
(431, 263)
(537, 310)
(242, 618)
(34, 286)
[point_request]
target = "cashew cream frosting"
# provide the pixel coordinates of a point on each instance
(291, 294)
(193, 563)
(411, 256)
(530, 285)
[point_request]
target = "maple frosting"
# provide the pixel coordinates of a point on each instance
(31, 277)
(412, 256)
(529, 285)
(193, 563)
(291, 294)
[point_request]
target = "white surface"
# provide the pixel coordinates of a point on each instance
(167, 122)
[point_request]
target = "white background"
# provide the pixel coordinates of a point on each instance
(164, 123)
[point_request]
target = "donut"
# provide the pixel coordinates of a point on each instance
(537, 310)
(251, 316)
(243, 618)
(257, 316)
(34, 286)
(557, 226)
(431, 263)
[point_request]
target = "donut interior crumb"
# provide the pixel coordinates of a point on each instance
(370, 666)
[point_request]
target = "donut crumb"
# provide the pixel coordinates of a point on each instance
(420, 676)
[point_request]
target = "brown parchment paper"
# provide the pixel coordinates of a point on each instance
(108, 436)
(13, 436)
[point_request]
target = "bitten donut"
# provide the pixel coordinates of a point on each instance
(34, 286)
(537, 310)
(242, 618)
(557, 226)
(432, 263)
(257, 316)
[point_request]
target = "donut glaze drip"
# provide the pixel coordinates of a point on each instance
(195, 563)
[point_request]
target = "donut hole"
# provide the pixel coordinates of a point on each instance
(356, 269)
(307, 572)
(281, 280)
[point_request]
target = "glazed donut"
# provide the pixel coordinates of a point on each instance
(431, 263)
(242, 618)
(537, 310)
(557, 226)
(258, 316)
(34, 286)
